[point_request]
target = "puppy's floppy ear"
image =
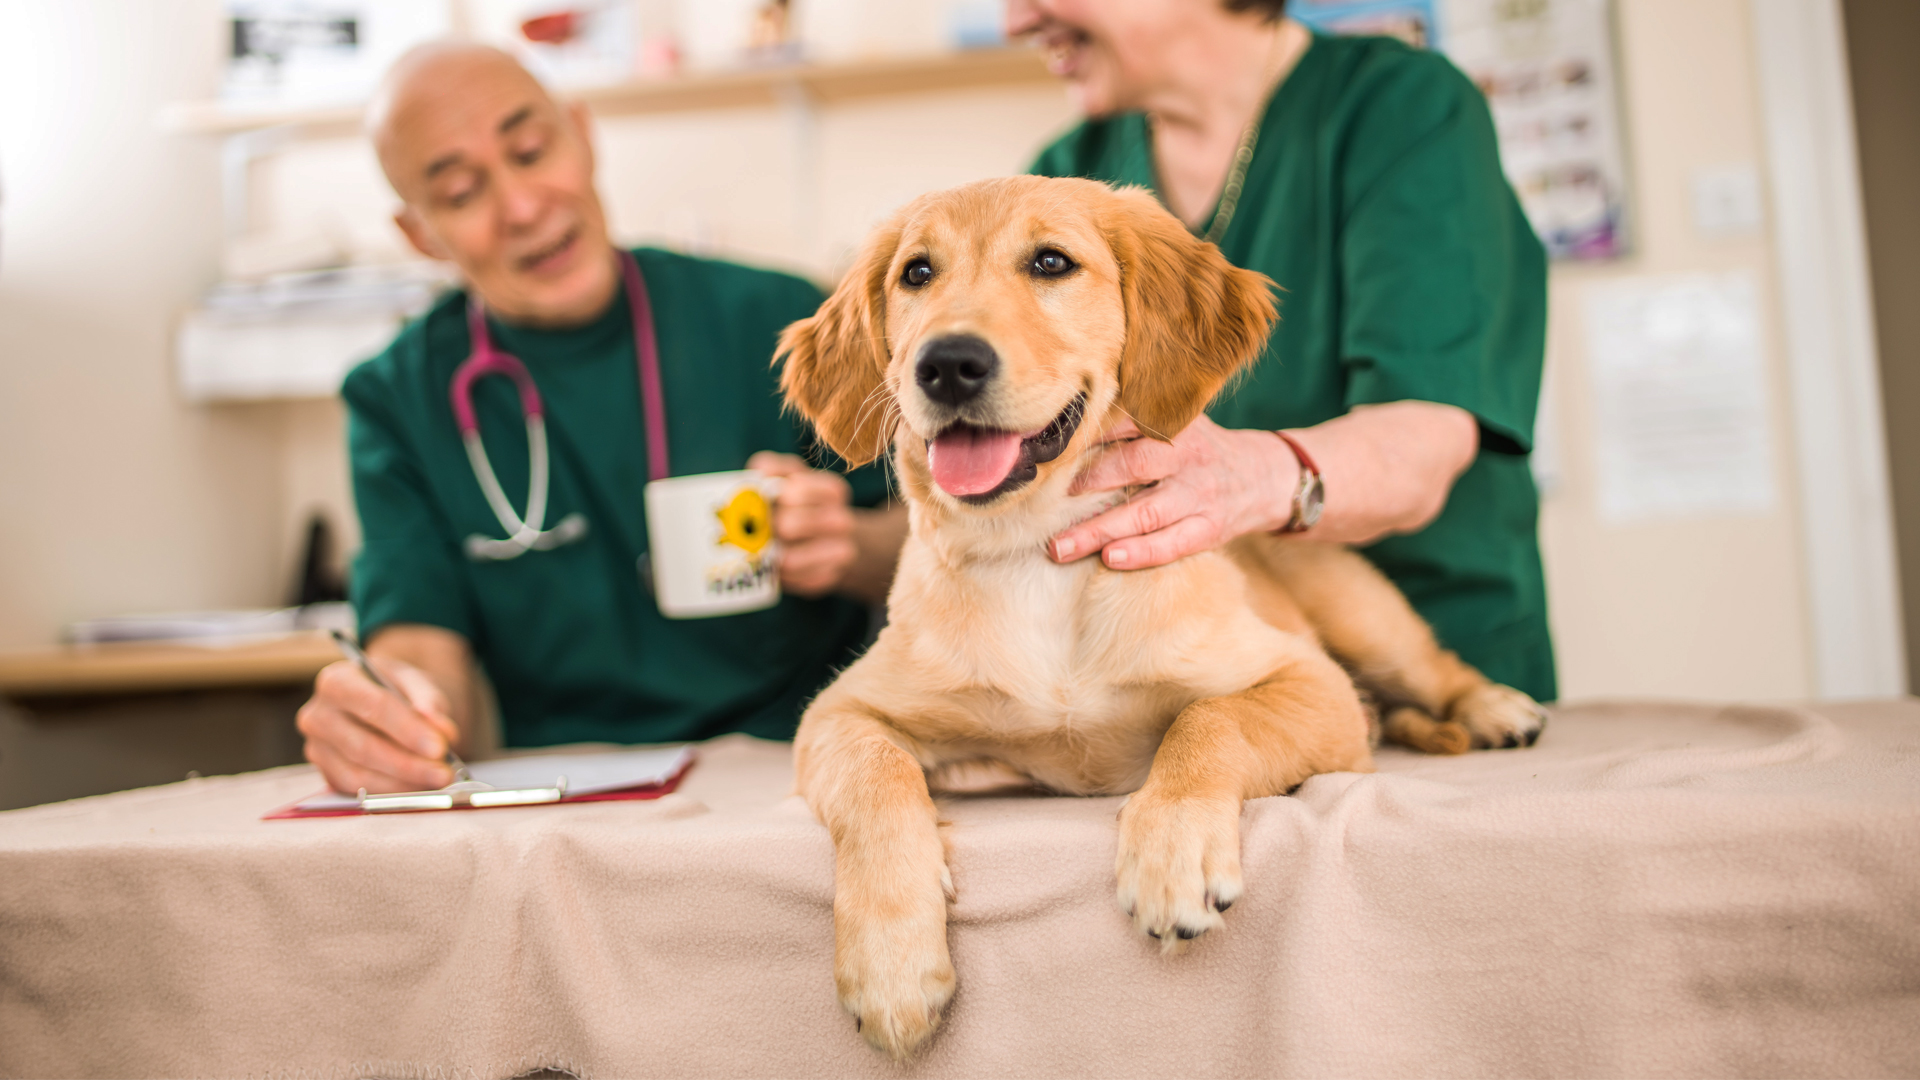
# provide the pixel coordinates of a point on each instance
(836, 359)
(1193, 318)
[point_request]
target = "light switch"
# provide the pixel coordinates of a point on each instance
(1726, 201)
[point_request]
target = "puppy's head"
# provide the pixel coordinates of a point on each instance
(993, 330)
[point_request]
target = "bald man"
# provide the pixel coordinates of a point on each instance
(497, 178)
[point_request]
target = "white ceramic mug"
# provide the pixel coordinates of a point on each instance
(713, 551)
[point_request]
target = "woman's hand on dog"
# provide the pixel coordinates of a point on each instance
(1209, 485)
(1388, 469)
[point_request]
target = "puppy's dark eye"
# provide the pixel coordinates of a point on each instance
(917, 273)
(1050, 263)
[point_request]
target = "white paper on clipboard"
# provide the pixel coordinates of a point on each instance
(587, 774)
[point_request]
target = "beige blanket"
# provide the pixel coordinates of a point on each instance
(1654, 890)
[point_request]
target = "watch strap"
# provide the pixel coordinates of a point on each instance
(1303, 516)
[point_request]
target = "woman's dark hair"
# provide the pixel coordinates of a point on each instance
(1270, 9)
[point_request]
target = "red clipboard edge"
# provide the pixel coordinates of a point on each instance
(292, 811)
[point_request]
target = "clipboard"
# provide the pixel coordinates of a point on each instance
(532, 780)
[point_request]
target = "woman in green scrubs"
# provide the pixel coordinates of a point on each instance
(1363, 177)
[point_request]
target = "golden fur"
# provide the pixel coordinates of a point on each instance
(1221, 677)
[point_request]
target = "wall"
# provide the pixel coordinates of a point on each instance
(119, 498)
(1882, 36)
(1709, 608)
(1705, 607)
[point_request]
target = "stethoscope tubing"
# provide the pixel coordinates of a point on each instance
(529, 533)
(523, 534)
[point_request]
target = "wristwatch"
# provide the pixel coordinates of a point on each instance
(1310, 498)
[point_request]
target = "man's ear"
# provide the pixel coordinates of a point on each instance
(836, 360)
(1193, 318)
(417, 233)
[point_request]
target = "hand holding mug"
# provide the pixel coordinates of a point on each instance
(813, 520)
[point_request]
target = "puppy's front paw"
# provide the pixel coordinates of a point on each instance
(893, 974)
(1500, 717)
(1178, 866)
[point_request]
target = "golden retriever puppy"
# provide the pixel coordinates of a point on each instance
(987, 335)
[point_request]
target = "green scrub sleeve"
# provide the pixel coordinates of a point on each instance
(1443, 281)
(408, 569)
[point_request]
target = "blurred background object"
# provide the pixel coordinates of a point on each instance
(198, 243)
(294, 334)
(319, 52)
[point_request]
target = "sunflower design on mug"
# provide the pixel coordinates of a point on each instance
(746, 523)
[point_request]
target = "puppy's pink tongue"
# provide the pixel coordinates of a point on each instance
(972, 461)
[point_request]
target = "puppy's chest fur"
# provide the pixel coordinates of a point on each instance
(1071, 674)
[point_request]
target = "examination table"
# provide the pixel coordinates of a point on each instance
(1653, 890)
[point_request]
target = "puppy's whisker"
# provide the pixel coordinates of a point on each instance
(878, 398)
(1149, 431)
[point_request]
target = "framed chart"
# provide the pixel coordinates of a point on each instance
(1548, 70)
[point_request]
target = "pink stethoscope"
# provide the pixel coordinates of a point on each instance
(529, 533)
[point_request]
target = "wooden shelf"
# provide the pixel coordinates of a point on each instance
(144, 667)
(749, 88)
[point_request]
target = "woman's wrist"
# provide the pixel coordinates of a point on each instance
(1308, 498)
(1279, 477)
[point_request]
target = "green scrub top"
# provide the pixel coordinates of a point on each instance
(1407, 270)
(573, 643)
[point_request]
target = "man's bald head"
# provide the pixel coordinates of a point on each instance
(432, 77)
(496, 176)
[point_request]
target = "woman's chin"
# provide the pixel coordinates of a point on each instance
(1093, 96)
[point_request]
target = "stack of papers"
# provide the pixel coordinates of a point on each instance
(213, 628)
(295, 335)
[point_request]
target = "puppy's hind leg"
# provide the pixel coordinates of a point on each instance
(1430, 699)
(891, 882)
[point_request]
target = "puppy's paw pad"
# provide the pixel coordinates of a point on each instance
(899, 1017)
(1178, 867)
(1500, 717)
(895, 978)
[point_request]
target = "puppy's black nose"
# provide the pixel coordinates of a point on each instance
(953, 370)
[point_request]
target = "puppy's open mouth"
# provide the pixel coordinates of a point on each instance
(977, 465)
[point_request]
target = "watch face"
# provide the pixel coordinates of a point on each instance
(1312, 503)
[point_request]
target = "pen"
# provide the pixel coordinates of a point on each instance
(354, 653)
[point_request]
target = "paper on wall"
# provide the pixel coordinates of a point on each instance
(1680, 398)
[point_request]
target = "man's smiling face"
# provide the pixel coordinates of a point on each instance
(498, 178)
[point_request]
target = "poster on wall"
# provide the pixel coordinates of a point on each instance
(1547, 69)
(1412, 21)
